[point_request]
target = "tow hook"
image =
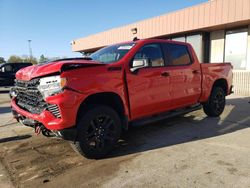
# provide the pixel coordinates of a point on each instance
(37, 129)
(40, 128)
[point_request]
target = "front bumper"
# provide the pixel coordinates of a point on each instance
(68, 103)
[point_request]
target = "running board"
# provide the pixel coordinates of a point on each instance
(166, 115)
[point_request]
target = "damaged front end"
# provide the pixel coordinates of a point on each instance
(38, 127)
(66, 134)
(29, 97)
(43, 99)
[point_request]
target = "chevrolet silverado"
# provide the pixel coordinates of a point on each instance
(90, 100)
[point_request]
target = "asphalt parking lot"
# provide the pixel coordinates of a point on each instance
(186, 151)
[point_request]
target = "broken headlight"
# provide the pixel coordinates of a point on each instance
(51, 85)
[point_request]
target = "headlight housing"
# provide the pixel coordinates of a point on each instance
(51, 85)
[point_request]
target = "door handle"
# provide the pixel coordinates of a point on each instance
(165, 74)
(195, 72)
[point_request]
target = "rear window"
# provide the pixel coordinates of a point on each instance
(177, 54)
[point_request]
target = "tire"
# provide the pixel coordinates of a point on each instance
(216, 103)
(99, 129)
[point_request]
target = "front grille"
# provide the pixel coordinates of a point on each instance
(29, 97)
(30, 84)
(53, 108)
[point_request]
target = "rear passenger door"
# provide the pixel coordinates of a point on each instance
(184, 75)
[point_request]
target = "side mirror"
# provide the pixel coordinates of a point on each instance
(139, 63)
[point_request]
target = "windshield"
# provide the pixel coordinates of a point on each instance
(112, 54)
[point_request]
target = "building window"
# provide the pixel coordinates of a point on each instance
(179, 39)
(236, 48)
(196, 42)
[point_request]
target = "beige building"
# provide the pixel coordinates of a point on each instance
(219, 31)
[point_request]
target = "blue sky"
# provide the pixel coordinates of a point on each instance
(52, 24)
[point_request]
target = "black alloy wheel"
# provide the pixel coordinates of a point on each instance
(216, 103)
(99, 129)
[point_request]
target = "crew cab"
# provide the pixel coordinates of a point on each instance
(90, 100)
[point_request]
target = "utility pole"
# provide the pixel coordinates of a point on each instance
(30, 50)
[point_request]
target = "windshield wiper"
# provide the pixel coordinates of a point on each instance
(87, 58)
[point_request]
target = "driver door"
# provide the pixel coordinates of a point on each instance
(148, 87)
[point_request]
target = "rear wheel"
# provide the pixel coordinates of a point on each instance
(98, 131)
(216, 102)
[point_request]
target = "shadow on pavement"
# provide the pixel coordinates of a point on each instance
(184, 129)
(4, 91)
(14, 138)
(5, 110)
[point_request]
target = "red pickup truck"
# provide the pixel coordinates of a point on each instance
(90, 100)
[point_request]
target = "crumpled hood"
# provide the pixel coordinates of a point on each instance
(34, 71)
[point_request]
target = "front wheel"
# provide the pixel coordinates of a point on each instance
(216, 103)
(99, 129)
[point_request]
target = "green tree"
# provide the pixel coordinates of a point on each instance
(26, 58)
(15, 59)
(2, 60)
(43, 59)
(33, 60)
(54, 58)
(23, 59)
